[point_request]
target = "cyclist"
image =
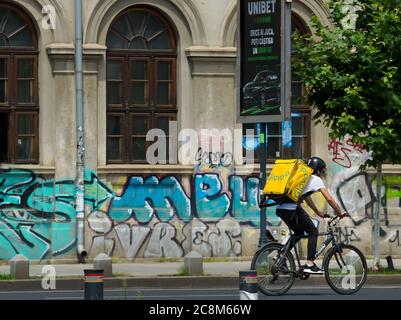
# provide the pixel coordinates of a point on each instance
(299, 221)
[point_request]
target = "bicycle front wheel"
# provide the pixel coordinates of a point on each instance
(345, 269)
(274, 279)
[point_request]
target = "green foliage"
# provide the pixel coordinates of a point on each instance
(352, 74)
(6, 277)
(182, 272)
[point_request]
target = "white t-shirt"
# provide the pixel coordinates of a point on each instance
(314, 184)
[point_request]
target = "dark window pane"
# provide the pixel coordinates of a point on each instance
(3, 14)
(138, 20)
(273, 148)
(24, 148)
(114, 90)
(22, 39)
(297, 93)
(25, 90)
(297, 148)
(3, 68)
(114, 125)
(163, 93)
(139, 92)
(138, 43)
(139, 70)
(3, 137)
(114, 148)
(139, 125)
(139, 149)
(297, 127)
(273, 129)
(3, 81)
(114, 70)
(13, 23)
(25, 124)
(163, 124)
(164, 70)
(123, 27)
(3, 42)
(161, 41)
(3, 91)
(116, 42)
(25, 68)
(153, 27)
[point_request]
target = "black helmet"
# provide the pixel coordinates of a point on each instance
(317, 164)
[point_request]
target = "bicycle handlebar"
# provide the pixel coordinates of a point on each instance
(334, 218)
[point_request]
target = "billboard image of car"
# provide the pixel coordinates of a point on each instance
(261, 96)
(260, 66)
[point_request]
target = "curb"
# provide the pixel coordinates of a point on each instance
(174, 283)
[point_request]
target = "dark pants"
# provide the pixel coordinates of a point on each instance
(300, 222)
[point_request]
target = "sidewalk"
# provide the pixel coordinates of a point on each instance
(157, 269)
(142, 269)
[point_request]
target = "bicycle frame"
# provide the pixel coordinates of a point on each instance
(293, 240)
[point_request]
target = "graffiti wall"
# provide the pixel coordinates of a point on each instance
(213, 211)
(357, 193)
(129, 217)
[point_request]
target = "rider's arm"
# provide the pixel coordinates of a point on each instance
(312, 205)
(332, 202)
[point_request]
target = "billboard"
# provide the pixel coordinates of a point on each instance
(260, 61)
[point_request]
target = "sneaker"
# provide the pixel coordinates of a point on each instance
(313, 269)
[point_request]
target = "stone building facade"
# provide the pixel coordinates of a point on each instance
(147, 63)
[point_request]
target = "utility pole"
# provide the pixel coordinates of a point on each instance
(80, 162)
(286, 81)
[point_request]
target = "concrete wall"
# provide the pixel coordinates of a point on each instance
(160, 211)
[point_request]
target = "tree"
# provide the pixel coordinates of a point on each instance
(352, 76)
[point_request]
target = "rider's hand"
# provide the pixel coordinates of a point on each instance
(343, 215)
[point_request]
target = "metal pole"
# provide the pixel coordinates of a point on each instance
(80, 187)
(286, 69)
(262, 161)
(376, 263)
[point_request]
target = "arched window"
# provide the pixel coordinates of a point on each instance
(141, 82)
(19, 105)
(301, 119)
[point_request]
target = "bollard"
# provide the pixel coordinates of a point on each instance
(193, 263)
(103, 262)
(390, 263)
(93, 284)
(248, 285)
(19, 267)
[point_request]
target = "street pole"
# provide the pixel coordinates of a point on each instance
(286, 72)
(377, 249)
(262, 161)
(80, 187)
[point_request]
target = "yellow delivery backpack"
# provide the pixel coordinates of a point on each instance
(287, 180)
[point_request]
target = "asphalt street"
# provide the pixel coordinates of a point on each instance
(301, 293)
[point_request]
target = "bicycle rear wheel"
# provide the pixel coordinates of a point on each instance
(273, 279)
(345, 269)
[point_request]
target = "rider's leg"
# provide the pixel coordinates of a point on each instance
(306, 224)
(289, 218)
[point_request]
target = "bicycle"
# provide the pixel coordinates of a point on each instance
(344, 265)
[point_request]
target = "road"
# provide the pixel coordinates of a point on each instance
(301, 293)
